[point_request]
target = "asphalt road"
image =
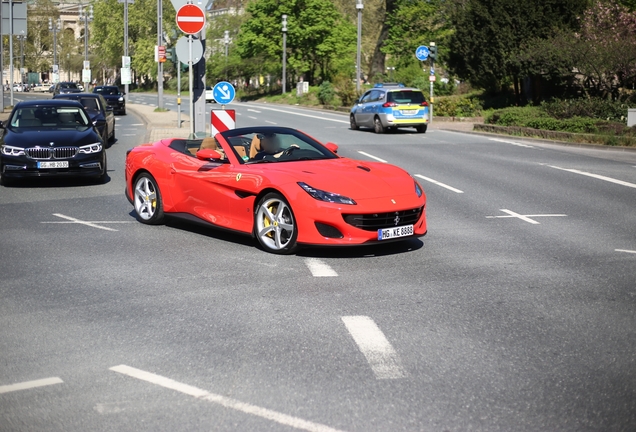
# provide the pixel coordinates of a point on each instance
(516, 311)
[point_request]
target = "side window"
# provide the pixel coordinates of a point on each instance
(366, 98)
(376, 95)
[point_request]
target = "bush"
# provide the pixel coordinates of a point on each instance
(586, 107)
(326, 93)
(346, 90)
(457, 107)
(514, 116)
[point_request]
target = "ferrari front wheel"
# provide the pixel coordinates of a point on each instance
(147, 200)
(275, 226)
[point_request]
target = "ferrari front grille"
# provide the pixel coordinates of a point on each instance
(375, 221)
(51, 153)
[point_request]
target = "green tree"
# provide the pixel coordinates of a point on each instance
(318, 37)
(490, 34)
(38, 50)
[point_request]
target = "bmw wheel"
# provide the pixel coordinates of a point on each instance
(275, 225)
(352, 122)
(147, 200)
(377, 125)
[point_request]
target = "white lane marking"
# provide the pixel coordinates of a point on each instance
(526, 218)
(305, 115)
(372, 157)
(254, 118)
(270, 122)
(319, 268)
(30, 384)
(625, 250)
(381, 356)
(439, 183)
(511, 142)
(137, 124)
(596, 176)
(227, 402)
(253, 110)
(93, 224)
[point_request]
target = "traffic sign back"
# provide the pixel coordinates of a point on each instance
(190, 19)
(422, 52)
(223, 92)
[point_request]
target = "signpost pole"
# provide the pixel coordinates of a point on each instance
(190, 84)
(11, 50)
(126, 45)
(178, 93)
(432, 98)
(159, 63)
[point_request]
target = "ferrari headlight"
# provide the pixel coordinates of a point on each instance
(12, 151)
(91, 148)
(321, 195)
(418, 188)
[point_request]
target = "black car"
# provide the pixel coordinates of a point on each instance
(66, 87)
(100, 112)
(50, 138)
(114, 97)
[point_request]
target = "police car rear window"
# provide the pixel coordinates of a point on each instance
(406, 97)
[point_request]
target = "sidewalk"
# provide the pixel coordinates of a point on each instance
(162, 125)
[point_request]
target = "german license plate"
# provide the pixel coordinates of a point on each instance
(409, 112)
(61, 164)
(389, 233)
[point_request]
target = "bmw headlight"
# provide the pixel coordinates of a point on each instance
(322, 195)
(121, 99)
(12, 151)
(91, 148)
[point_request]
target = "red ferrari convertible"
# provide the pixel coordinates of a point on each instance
(277, 184)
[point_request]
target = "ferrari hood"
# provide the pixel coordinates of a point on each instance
(354, 179)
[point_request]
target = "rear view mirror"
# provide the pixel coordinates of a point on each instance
(332, 147)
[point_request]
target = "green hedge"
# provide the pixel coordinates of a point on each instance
(457, 107)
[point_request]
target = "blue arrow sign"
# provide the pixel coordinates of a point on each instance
(421, 52)
(223, 92)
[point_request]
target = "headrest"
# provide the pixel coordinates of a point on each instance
(255, 147)
(27, 115)
(209, 143)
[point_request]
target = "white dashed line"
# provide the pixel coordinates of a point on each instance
(439, 183)
(253, 118)
(226, 402)
(518, 144)
(381, 356)
(306, 115)
(93, 224)
(372, 157)
(319, 268)
(596, 176)
(625, 250)
(253, 110)
(270, 122)
(525, 218)
(30, 384)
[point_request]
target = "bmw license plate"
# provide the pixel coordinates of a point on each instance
(61, 164)
(389, 233)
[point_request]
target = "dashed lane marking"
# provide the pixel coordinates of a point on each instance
(226, 402)
(526, 218)
(253, 118)
(372, 157)
(439, 183)
(381, 356)
(94, 224)
(305, 115)
(319, 268)
(596, 176)
(270, 122)
(30, 384)
(625, 250)
(515, 143)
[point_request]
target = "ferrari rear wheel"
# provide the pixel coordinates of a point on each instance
(147, 200)
(275, 225)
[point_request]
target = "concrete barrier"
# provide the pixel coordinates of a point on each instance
(631, 117)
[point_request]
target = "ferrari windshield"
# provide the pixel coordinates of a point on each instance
(273, 144)
(48, 116)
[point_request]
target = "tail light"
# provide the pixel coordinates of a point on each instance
(389, 104)
(424, 103)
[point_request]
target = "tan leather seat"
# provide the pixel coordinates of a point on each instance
(255, 147)
(209, 143)
(241, 151)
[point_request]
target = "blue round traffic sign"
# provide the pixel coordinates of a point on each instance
(223, 92)
(422, 52)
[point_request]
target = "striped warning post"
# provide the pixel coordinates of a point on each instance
(222, 120)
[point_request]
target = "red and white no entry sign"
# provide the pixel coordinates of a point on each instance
(190, 19)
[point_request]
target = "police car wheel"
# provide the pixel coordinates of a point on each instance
(352, 122)
(377, 126)
(421, 128)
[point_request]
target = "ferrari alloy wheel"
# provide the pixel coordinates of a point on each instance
(377, 125)
(275, 225)
(352, 122)
(147, 200)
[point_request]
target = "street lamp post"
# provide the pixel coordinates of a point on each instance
(226, 40)
(55, 27)
(87, 16)
(284, 53)
(359, 7)
(21, 38)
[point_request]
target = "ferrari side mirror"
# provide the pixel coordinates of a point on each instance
(207, 154)
(332, 147)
